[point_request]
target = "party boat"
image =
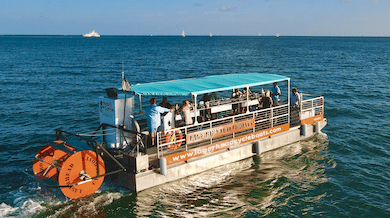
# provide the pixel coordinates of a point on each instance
(224, 130)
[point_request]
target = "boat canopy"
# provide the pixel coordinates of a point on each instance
(197, 86)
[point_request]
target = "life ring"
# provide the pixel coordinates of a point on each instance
(176, 137)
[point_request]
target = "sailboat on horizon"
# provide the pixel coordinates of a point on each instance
(183, 34)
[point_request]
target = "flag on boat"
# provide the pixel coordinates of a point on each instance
(125, 85)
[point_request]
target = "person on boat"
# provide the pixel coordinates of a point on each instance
(235, 95)
(205, 97)
(186, 108)
(245, 91)
(294, 101)
(165, 103)
(275, 93)
(153, 116)
(266, 101)
(205, 113)
(214, 96)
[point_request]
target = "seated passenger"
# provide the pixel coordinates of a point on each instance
(205, 97)
(244, 92)
(205, 113)
(236, 94)
(165, 103)
(214, 96)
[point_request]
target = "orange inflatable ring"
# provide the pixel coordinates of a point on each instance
(175, 137)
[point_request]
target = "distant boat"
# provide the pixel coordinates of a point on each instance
(259, 34)
(277, 35)
(211, 35)
(92, 34)
(183, 34)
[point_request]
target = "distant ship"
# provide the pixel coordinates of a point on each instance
(183, 34)
(92, 34)
(277, 35)
(211, 35)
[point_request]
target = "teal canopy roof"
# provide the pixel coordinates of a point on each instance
(196, 86)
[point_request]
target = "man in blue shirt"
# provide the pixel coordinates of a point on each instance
(275, 92)
(153, 117)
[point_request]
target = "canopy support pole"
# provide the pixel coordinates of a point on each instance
(247, 99)
(140, 105)
(195, 109)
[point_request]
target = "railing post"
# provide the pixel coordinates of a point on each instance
(158, 146)
(211, 126)
(185, 133)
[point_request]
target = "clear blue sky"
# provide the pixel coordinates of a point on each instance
(197, 17)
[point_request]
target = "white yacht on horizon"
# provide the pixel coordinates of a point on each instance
(92, 34)
(183, 34)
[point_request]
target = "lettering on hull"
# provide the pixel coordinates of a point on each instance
(219, 131)
(208, 149)
(312, 120)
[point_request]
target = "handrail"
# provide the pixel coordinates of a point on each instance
(264, 118)
(311, 107)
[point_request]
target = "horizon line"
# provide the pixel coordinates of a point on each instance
(151, 35)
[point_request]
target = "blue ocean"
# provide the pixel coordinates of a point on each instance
(54, 82)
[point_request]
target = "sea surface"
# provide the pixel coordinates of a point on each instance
(50, 82)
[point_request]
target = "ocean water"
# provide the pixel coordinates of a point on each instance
(50, 82)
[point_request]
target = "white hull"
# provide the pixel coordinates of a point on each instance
(91, 34)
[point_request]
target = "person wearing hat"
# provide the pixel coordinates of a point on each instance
(275, 92)
(153, 116)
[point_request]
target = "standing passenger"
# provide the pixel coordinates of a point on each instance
(165, 103)
(266, 101)
(294, 101)
(186, 108)
(275, 92)
(153, 117)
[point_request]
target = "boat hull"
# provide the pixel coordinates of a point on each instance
(144, 180)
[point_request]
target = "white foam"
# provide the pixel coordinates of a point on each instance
(26, 209)
(6, 210)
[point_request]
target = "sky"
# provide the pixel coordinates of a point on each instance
(197, 17)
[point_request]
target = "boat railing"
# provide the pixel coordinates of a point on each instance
(197, 135)
(311, 105)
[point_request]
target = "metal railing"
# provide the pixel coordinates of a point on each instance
(174, 140)
(312, 106)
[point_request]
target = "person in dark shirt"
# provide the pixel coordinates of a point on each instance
(165, 103)
(266, 101)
